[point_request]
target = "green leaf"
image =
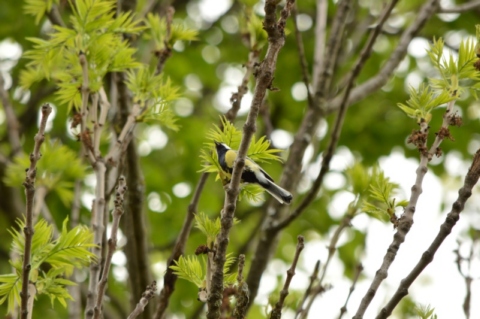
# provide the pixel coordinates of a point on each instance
(190, 269)
(10, 287)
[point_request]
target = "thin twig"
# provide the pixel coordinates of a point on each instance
(324, 80)
(313, 278)
(114, 155)
(29, 185)
(55, 17)
(466, 276)
(320, 36)
(98, 164)
(452, 218)
(242, 89)
(166, 52)
(112, 245)
(264, 75)
(277, 310)
(358, 271)
(146, 296)
(379, 80)
(469, 6)
(301, 56)
(13, 127)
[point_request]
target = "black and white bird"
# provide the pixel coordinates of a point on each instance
(252, 173)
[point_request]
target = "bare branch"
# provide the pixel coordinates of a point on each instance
(301, 56)
(166, 52)
(364, 55)
(320, 32)
(379, 80)
(112, 245)
(406, 220)
(313, 278)
(461, 8)
(29, 185)
(147, 295)
(277, 310)
(55, 17)
(358, 271)
(452, 218)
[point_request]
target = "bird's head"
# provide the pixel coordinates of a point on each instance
(221, 147)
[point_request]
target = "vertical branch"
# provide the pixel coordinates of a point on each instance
(277, 311)
(264, 76)
(452, 218)
(170, 278)
(358, 271)
(166, 52)
(112, 245)
(29, 185)
(320, 31)
(313, 278)
(75, 305)
(293, 165)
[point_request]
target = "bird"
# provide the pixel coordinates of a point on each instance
(252, 173)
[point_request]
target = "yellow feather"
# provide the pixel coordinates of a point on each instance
(230, 157)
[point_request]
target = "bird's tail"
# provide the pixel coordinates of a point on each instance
(283, 196)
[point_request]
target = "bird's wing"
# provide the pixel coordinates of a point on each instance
(255, 168)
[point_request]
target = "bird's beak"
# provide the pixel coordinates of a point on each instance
(217, 143)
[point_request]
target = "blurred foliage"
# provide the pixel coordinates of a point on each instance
(374, 127)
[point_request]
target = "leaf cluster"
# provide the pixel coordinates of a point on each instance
(155, 94)
(69, 250)
(95, 32)
(190, 268)
(455, 74)
(60, 167)
(423, 101)
(258, 151)
(157, 32)
(210, 228)
(380, 202)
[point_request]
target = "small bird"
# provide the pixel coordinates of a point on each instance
(252, 173)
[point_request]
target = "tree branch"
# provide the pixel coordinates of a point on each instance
(170, 278)
(264, 76)
(379, 80)
(453, 216)
(112, 245)
(29, 185)
(406, 220)
(277, 310)
(461, 8)
(147, 295)
(358, 271)
(364, 55)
